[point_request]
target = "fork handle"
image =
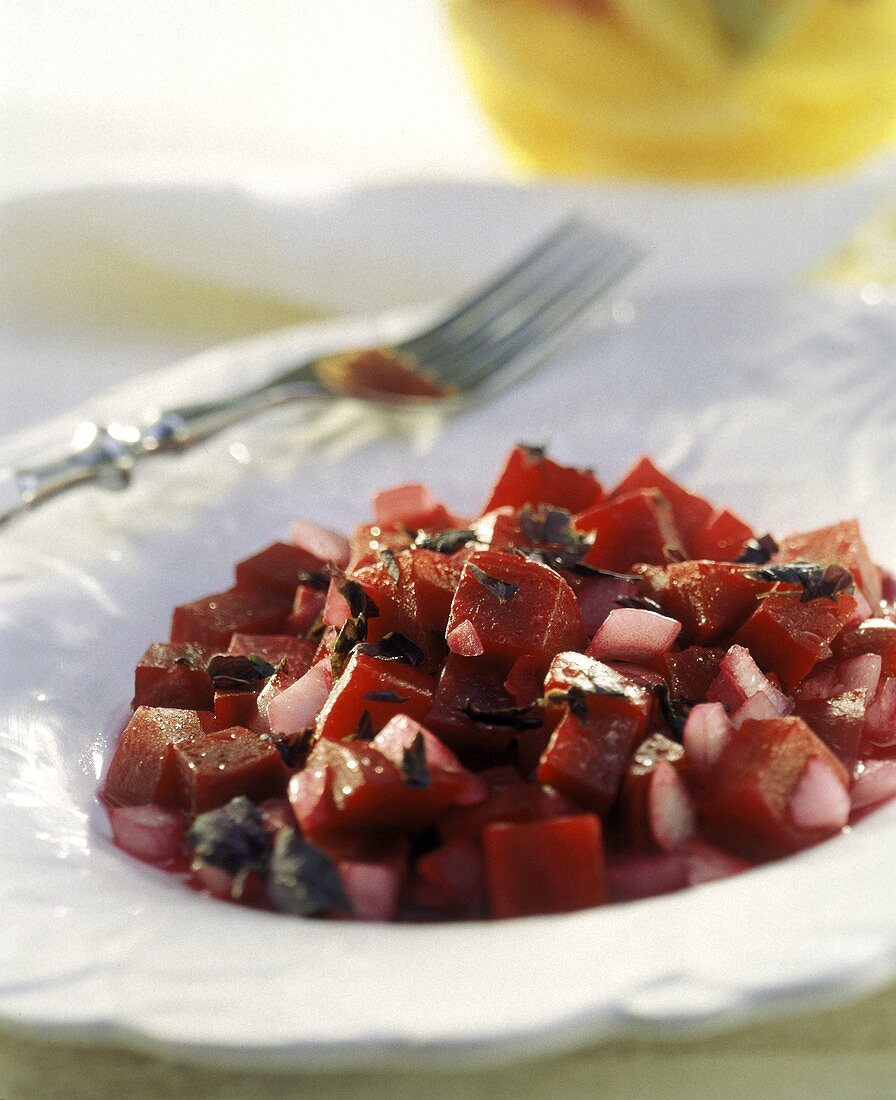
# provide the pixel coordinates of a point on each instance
(107, 454)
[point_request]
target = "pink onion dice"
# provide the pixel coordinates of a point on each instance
(464, 640)
(670, 808)
(373, 887)
(706, 863)
(707, 731)
(149, 832)
(862, 674)
(819, 800)
(633, 634)
(880, 717)
(404, 504)
(740, 678)
(298, 706)
(875, 782)
(321, 542)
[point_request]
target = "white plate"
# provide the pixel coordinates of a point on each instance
(778, 403)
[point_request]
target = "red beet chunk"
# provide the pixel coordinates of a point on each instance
(412, 590)
(411, 506)
(709, 599)
(369, 539)
(234, 708)
(691, 512)
(294, 654)
(789, 637)
(689, 672)
(449, 882)
(722, 537)
(208, 769)
(529, 477)
(136, 774)
(510, 798)
(382, 688)
(541, 867)
(469, 709)
(587, 759)
(170, 675)
(871, 636)
(753, 804)
(838, 721)
(635, 527)
(360, 785)
(278, 567)
(517, 607)
(841, 543)
(307, 606)
(213, 620)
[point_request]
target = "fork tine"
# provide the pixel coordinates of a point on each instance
(535, 334)
(573, 263)
(493, 295)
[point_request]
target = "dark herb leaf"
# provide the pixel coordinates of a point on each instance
(758, 551)
(230, 672)
(302, 879)
(320, 581)
(359, 603)
(352, 633)
(818, 581)
(414, 770)
(674, 554)
(577, 703)
(501, 590)
(399, 647)
(675, 711)
(518, 718)
(444, 542)
(387, 557)
(193, 658)
(384, 697)
(232, 837)
(292, 747)
(364, 728)
(534, 452)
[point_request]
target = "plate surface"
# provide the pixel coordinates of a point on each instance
(775, 402)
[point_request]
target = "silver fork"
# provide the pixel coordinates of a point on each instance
(504, 328)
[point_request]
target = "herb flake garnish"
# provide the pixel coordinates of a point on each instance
(364, 729)
(444, 542)
(232, 837)
(232, 672)
(303, 880)
(319, 580)
(414, 769)
(387, 557)
(517, 718)
(817, 581)
(758, 551)
(501, 590)
(384, 697)
(643, 603)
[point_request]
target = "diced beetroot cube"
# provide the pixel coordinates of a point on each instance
(872, 636)
(213, 620)
(278, 567)
(293, 654)
(135, 776)
(790, 636)
(722, 537)
(402, 735)
(450, 881)
(473, 712)
(709, 599)
(151, 832)
(516, 606)
(307, 607)
(335, 610)
(234, 708)
(597, 681)
(529, 477)
(597, 595)
(689, 672)
(839, 721)
(412, 506)
(378, 687)
(775, 789)
(636, 527)
(509, 798)
(841, 543)
(351, 785)
(170, 675)
(526, 679)
(539, 867)
(633, 634)
(210, 768)
(587, 759)
(691, 512)
(369, 539)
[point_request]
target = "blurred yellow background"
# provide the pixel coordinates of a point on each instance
(686, 89)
